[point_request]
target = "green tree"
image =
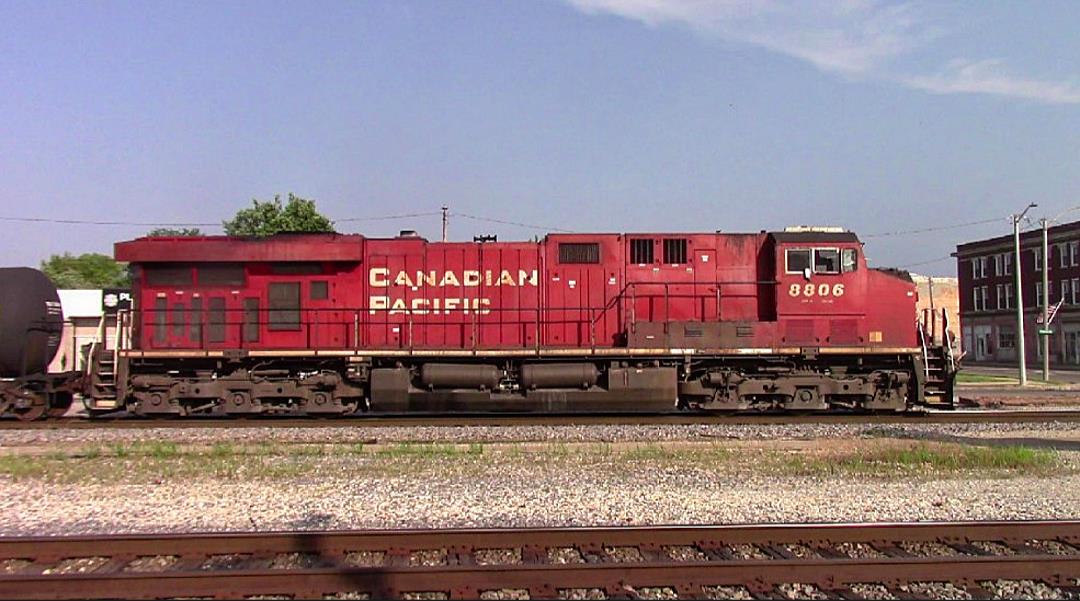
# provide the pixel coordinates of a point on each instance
(89, 270)
(168, 232)
(269, 218)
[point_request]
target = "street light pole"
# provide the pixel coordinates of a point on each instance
(1020, 295)
(1044, 336)
(445, 221)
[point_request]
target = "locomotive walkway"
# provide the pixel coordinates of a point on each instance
(849, 561)
(584, 419)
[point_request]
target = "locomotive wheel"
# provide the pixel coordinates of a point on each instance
(239, 401)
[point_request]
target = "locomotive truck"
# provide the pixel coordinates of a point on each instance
(323, 324)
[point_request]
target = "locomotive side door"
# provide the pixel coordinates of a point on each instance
(576, 291)
(707, 290)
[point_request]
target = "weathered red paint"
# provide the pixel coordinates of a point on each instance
(403, 293)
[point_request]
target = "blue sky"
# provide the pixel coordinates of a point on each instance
(609, 115)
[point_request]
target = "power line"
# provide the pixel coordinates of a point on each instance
(928, 262)
(93, 222)
(939, 228)
(190, 224)
(388, 217)
(515, 223)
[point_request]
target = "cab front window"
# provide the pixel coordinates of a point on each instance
(848, 260)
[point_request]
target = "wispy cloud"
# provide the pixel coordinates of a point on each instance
(990, 77)
(853, 38)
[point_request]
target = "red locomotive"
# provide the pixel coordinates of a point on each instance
(331, 323)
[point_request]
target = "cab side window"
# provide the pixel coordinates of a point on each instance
(798, 260)
(826, 260)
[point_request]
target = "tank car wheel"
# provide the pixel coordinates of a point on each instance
(36, 410)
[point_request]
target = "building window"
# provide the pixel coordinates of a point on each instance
(1063, 254)
(1075, 298)
(1006, 259)
(1074, 253)
(1038, 294)
(1006, 338)
(979, 266)
(1004, 296)
(1037, 254)
(1066, 292)
(981, 297)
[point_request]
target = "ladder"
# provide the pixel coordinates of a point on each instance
(102, 364)
(939, 363)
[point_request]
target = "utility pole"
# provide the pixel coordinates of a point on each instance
(445, 221)
(1044, 335)
(1020, 295)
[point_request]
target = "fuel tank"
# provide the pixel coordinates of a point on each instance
(31, 321)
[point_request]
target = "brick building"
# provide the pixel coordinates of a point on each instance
(988, 296)
(937, 293)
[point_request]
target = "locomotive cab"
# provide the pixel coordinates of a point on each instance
(821, 288)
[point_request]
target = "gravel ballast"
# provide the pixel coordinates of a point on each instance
(523, 494)
(349, 485)
(539, 433)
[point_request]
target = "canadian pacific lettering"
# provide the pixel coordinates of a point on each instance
(383, 277)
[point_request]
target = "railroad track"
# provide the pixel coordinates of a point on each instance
(928, 417)
(854, 561)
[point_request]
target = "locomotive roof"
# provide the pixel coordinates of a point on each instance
(346, 247)
(815, 236)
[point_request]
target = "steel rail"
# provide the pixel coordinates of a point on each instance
(457, 420)
(462, 573)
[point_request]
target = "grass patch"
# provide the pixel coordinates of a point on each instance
(22, 467)
(929, 460)
(965, 377)
(650, 452)
(161, 449)
(429, 450)
(222, 449)
(156, 462)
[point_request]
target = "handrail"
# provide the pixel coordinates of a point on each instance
(466, 315)
(921, 327)
(948, 339)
